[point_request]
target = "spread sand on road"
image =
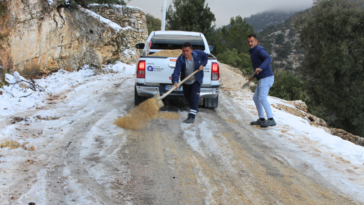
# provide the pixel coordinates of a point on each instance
(140, 115)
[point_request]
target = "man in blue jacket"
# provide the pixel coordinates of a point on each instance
(264, 74)
(186, 64)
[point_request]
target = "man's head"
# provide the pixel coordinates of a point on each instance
(252, 40)
(187, 49)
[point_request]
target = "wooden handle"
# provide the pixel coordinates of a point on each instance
(252, 75)
(179, 84)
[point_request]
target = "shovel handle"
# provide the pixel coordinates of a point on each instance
(179, 84)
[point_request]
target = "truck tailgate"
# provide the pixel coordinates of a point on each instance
(159, 70)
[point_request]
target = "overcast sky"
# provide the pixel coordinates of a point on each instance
(225, 9)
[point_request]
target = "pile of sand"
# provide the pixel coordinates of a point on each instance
(10, 144)
(139, 116)
(168, 53)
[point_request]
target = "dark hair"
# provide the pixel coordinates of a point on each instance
(187, 44)
(253, 35)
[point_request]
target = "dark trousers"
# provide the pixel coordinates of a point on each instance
(192, 95)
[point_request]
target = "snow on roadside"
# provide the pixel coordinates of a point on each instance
(298, 126)
(44, 129)
(120, 67)
(14, 101)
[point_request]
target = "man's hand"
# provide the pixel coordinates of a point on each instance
(175, 85)
(200, 68)
(258, 70)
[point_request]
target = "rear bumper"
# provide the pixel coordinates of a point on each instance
(151, 90)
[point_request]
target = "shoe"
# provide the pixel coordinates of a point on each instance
(189, 120)
(258, 122)
(269, 123)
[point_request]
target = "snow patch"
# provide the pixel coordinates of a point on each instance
(120, 67)
(112, 24)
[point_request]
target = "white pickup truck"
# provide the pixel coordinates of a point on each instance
(153, 73)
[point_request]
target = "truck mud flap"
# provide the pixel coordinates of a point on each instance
(211, 102)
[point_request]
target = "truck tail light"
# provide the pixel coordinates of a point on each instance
(215, 71)
(141, 69)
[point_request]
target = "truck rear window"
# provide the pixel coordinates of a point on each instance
(176, 41)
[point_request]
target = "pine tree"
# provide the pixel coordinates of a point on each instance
(154, 24)
(332, 37)
(233, 36)
(190, 15)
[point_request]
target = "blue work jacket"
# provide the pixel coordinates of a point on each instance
(200, 58)
(261, 59)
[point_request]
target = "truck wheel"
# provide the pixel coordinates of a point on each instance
(211, 102)
(138, 99)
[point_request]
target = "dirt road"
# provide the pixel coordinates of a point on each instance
(82, 158)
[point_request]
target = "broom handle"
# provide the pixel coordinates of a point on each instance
(179, 84)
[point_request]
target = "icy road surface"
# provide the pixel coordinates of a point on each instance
(80, 157)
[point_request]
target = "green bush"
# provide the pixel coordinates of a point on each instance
(232, 58)
(288, 86)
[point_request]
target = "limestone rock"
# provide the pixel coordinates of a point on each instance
(313, 120)
(347, 136)
(299, 104)
(43, 36)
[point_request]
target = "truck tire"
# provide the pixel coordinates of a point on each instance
(138, 99)
(211, 102)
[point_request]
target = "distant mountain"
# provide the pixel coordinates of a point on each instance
(262, 20)
(282, 43)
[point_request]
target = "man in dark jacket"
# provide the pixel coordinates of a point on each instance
(186, 64)
(264, 74)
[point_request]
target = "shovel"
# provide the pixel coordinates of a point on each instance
(247, 83)
(157, 96)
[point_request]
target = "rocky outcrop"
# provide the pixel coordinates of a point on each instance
(299, 104)
(51, 35)
(313, 120)
(347, 136)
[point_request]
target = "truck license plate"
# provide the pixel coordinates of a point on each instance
(168, 87)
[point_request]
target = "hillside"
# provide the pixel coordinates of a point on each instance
(261, 21)
(282, 42)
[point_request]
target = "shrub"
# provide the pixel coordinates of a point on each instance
(287, 86)
(32, 72)
(232, 58)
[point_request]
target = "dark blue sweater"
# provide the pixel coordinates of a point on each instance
(200, 59)
(261, 59)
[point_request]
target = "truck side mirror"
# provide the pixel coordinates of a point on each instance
(211, 48)
(139, 46)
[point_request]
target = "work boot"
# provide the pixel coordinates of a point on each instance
(258, 122)
(269, 123)
(189, 120)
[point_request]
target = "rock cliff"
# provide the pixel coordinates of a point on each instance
(52, 35)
